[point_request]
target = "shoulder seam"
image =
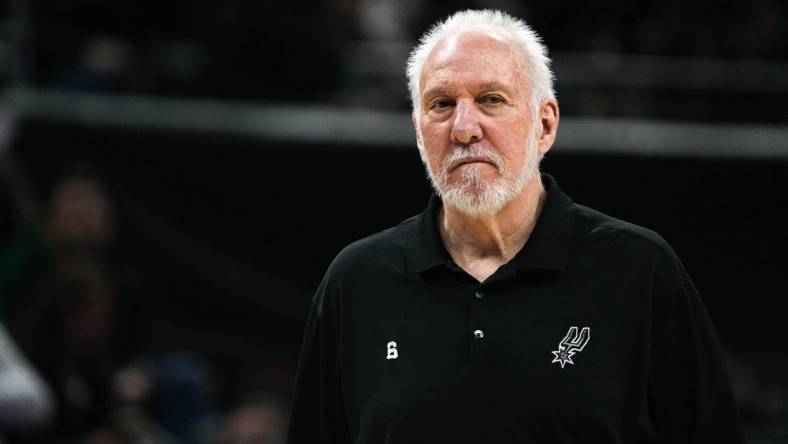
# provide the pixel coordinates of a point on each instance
(629, 228)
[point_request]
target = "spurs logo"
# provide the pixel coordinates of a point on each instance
(391, 348)
(571, 344)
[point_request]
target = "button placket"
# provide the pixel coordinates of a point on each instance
(476, 323)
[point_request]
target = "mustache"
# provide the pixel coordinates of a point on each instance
(474, 152)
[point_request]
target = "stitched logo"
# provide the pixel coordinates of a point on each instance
(391, 348)
(571, 344)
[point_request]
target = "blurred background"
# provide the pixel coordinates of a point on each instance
(175, 176)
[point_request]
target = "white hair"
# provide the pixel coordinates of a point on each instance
(536, 61)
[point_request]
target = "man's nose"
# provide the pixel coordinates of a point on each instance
(466, 128)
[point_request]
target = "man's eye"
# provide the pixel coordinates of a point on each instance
(441, 104)
(492, 99)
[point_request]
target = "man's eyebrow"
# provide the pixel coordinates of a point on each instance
(434, 92)
(487, 86)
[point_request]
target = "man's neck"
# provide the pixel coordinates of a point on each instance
(480, 244)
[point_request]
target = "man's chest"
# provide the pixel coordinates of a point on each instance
(554, 350)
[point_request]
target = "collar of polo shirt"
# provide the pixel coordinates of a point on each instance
(546, 249)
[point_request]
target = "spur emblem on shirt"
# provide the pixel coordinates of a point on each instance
(571, 344)
(391, 350)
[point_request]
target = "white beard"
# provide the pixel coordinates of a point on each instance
(474, 196)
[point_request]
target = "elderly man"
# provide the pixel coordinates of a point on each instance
(505, 313)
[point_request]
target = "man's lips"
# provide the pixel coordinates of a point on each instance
(471, 160)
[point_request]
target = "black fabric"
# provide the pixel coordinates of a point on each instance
(481, 362)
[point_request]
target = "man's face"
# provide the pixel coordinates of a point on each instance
(476, 135)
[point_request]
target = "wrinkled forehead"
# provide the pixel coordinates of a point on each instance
(459, 52)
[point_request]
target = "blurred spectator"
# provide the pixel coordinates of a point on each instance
(166, 399)
(181, 398)
(81, 221)
(78, 226)
(259, 420)
(78, 231)
(66, 330)
(104, 63)
(79, 311)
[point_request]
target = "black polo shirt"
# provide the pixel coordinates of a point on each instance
(592, 333)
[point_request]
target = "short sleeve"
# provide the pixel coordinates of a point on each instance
(317, 414)
(689, 386)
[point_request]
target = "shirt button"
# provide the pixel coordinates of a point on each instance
(478, 294)
(478, 334)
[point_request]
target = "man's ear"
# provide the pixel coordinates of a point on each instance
(549, 115)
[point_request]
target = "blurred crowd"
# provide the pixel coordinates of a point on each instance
(308, 50)
(84, 354)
